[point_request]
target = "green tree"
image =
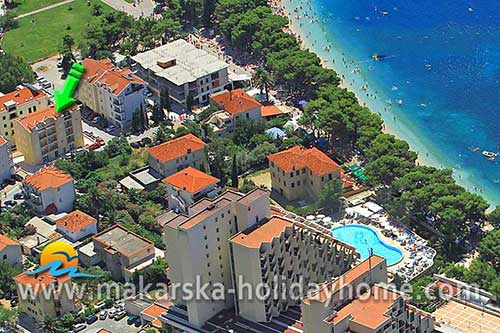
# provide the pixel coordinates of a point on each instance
(7, 274)
(331, 196)
(494, 217)
(14, 71)
(50, 325)
(482, 273)
(8, 21)
(8, 317)
(165, 101)
(234, 173)
(262, 80)
(489, 248)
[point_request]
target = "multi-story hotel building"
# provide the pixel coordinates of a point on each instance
(359, 302)
(45, 135)
(17, 104)
(238, 235)
(299, 174)
(112, 92)
(49, 191)
(183, 70)
(48, 296)
(6, 164)
(177, 154)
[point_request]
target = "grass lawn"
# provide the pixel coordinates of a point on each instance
(116, 168)
(25, 6)
(43, 37)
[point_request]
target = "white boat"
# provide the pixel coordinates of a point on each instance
(489, 154)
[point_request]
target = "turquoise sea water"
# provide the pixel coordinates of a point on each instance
(438, 84)
(363, 239)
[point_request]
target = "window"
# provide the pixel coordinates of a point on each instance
(293, 185)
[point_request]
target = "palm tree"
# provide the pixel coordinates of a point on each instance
(49, 325)
(262, 80)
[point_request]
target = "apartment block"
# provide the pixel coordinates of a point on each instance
(16, 104)
(234, 104)
(49, 191)
(177, 154)
(112, 92)
(6, 164)
(188, 186)
(10, 251)
(279, 253)
(124, 252)
(183, 70)
(45, 135)
(360, 302)
(51, 295)
(300, 174)
(76, 225)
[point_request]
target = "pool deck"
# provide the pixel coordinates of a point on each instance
(387, 240)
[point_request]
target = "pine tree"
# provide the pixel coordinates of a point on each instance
(234, 173)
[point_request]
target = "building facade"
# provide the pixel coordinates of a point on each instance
(49, 191)
(50, 295)
(17, 104)
(6, 164)
(177, 154)
(46, 135)
(10, 251)
(359, 302)
(76, 225)
(182, 70)
(112, 92)
(300, 174)
(188, 186)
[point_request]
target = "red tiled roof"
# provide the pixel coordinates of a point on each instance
(31, 120)
(20, 96)
(235, 101)
(269, 110)
(191, 180)
(264, 233)
(76, 220)
(49, 177)
(104, 72)
(40, 280)
(297, 158)
(176, 148)
(154, 310)
(6, 241)
(2, 140)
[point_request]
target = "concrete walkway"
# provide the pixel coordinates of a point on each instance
(142, 8)
(44, 9)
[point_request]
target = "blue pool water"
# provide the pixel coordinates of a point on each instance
(442, 63)
(363, 238)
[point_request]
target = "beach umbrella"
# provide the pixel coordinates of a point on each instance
(320, 216)
(310, 217)
(327, 219)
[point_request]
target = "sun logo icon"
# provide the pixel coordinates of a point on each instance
(59, 258)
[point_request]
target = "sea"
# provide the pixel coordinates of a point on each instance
(430, 68)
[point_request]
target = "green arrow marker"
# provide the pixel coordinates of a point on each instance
(64, 97)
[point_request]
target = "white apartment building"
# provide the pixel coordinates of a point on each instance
(49, 191)
(209, 245)
(17, 104)
(10, 251)
(6, 165)
(112, 92)
(76, 225)
(172, 156)
(184, 70)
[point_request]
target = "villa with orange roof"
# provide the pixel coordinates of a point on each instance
(112, 92)
(49, 191)
(359, 302)
(188, 186)
(76, 225)
(177, 154)
(17, 104)
(300, 174)
(234, 104)
(48, 296)
(124, 252)
(10, 251)
(45, 135)
(6, 164)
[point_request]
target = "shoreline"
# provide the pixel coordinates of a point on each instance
(394, 122)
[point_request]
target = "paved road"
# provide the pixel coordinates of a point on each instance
(44, 9)
(141, 8)
(112, 326)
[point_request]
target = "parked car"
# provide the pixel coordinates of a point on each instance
(120, 315)
(131, 319)
(103, 314)
(14, 301)
(95, 120)
(18, 196)
(10, 203)
(100, 305)
(17, 177)
(138, 322)
(91, 319)
(135, 145)
(112, 313)
(79, 327)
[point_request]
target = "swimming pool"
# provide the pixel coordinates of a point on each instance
(363, 238)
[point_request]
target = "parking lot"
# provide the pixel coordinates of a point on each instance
(112, 326)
